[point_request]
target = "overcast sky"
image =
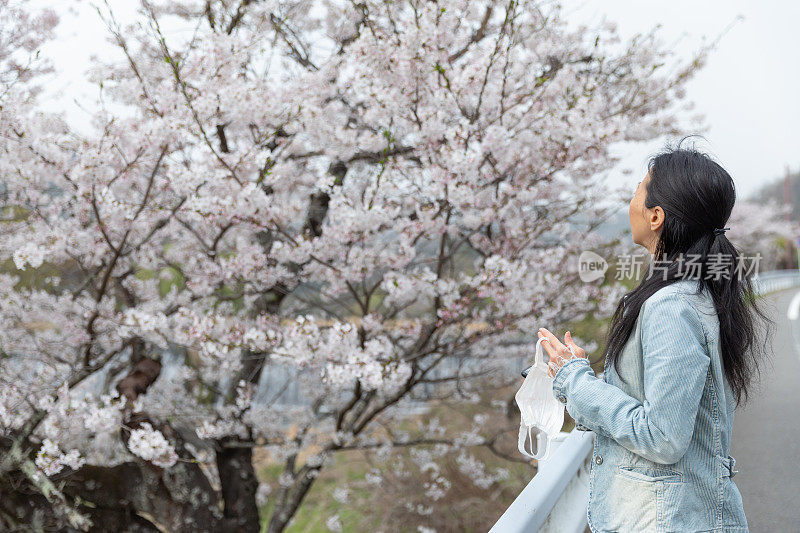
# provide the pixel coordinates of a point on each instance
(749, 90)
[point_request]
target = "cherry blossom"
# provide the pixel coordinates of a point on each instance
(51, 460)
(151, 445)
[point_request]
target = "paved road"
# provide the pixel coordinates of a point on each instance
(766, 431)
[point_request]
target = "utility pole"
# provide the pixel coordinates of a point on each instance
(787, 199)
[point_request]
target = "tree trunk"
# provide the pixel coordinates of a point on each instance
(239, 486)
(173, 500)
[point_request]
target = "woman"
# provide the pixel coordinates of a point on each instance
(681, 351)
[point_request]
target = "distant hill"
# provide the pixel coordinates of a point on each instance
(775, 190)
(616, 224)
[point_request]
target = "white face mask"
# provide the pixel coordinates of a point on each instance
(539, 409)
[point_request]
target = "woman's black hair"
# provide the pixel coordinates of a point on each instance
(697, 196)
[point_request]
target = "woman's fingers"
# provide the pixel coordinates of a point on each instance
(577, 350)
(554, 342)
(557, 351)
(555, 360)
(548, 347)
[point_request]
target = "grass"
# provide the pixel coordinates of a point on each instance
(319, 504)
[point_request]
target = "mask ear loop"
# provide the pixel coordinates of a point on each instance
(521, 445)
(526, 436)
(539, 356)
(530, 435)
(543, 442)
(540, 442)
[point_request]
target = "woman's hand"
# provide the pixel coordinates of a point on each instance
(559, 352)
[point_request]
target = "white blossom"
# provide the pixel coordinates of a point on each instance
(262, 494)
(51, 460)
(151, 445)
(334, 524)
(30, 254)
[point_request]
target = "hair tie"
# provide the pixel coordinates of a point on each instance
(720, 231)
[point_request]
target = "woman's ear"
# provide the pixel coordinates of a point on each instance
(656, 219)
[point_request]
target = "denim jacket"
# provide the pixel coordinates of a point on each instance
(662, 424)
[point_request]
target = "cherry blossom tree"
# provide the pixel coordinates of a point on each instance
(378, 196)
(760, 230)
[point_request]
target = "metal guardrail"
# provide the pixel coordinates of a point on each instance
(776, 280)
(556, 498)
